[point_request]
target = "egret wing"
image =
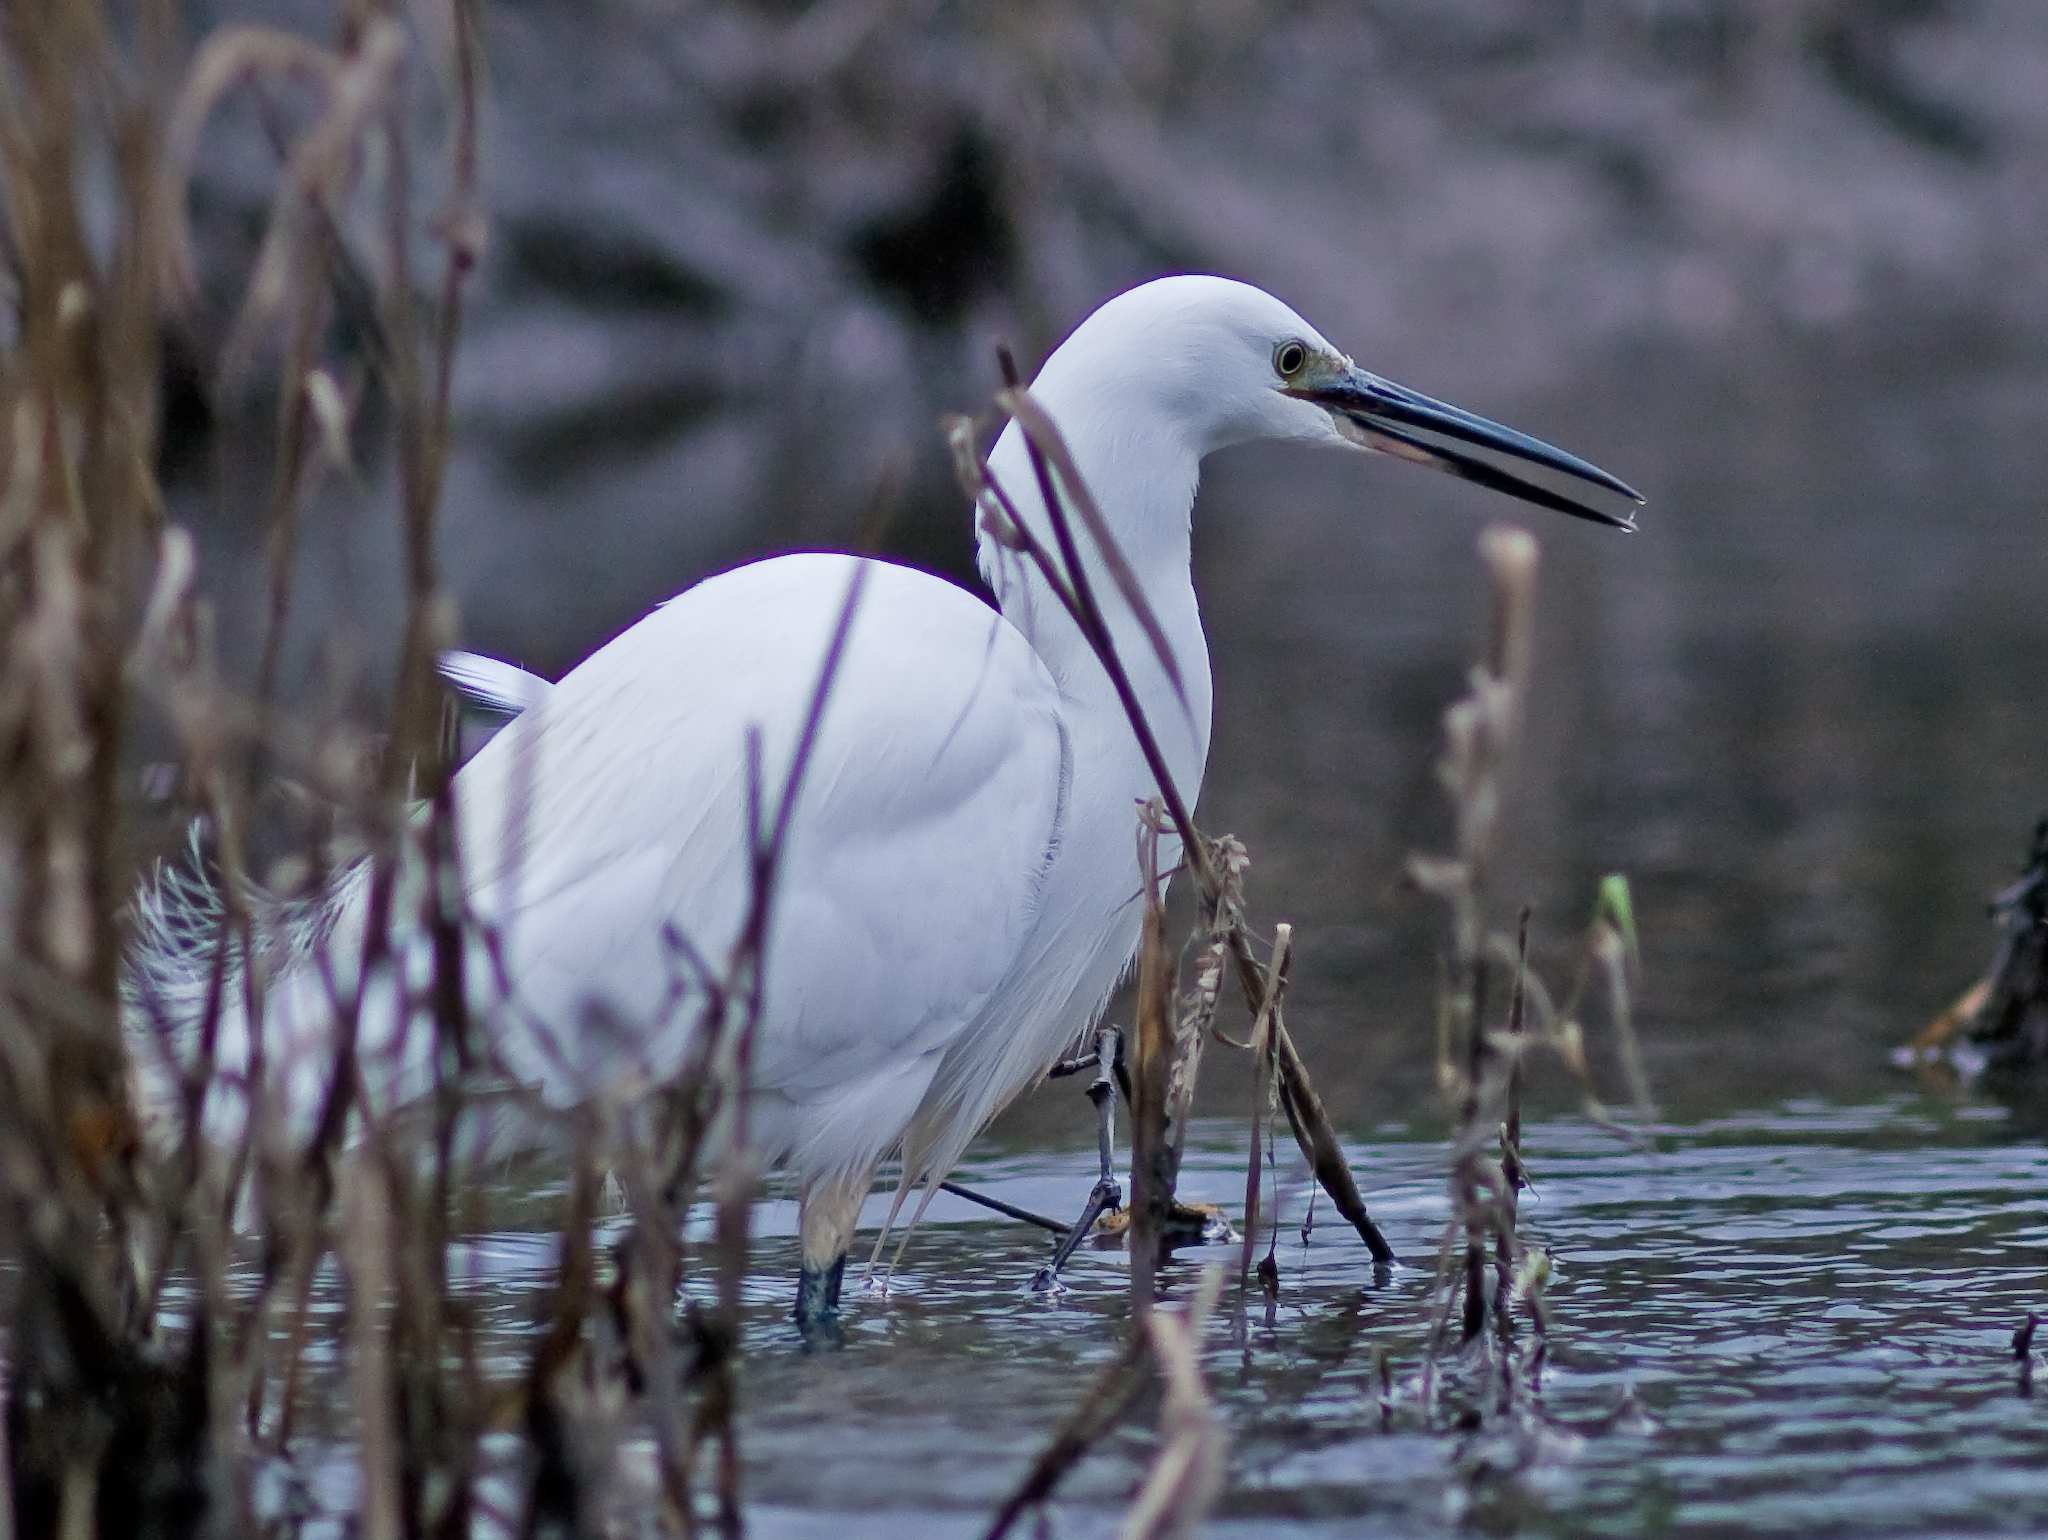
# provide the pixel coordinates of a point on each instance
(491, 683)
(605, 830)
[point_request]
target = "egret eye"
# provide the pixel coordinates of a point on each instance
(1289, 359)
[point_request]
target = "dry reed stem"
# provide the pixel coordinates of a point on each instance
(1152, 1174)
(1197, 1017)
(1264, 1038)
(1486, 1161)
(366, 1248)
(1188, 1472)
(1511, 1136)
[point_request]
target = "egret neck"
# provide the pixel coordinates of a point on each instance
(1141, 466)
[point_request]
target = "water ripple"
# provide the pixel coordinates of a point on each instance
(1802, 1316)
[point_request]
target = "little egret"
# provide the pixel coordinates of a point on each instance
(957, 895)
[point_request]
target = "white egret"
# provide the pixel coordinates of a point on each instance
(955, 901)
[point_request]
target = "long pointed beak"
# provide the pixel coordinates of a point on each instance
(1381, 415)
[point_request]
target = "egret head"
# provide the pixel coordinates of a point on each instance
(1228, 363)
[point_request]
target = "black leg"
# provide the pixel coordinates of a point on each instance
(817, 1303)
(1007, 1210)
(1107, 1195)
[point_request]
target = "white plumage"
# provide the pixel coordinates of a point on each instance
(959, 893)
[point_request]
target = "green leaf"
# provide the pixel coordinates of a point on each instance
(1619, 909)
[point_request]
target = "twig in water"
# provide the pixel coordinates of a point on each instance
(2023, 1351)
(1511, 1141)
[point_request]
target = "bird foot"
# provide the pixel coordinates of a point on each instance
(1047, 1282)
(817, 1304)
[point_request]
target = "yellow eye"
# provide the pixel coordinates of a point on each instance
(1288, 359)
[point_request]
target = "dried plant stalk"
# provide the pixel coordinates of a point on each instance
(1265, 1037)
(1187, 1475)
(1484, 1087)
(1152, 1174)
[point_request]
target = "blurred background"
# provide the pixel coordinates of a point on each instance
(1782, 264)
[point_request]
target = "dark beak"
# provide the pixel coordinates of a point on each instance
(1382, 415)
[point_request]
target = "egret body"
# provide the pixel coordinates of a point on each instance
(958, 893)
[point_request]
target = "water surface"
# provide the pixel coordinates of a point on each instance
(1795, 1320)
